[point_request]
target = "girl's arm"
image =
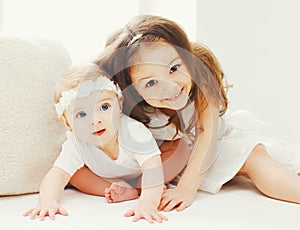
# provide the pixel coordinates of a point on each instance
(51, 188)
(201, 159)
(202, 152)
(152, 188)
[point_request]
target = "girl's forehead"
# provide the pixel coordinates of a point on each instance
(155, 53)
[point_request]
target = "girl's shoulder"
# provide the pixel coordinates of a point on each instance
(158, 119)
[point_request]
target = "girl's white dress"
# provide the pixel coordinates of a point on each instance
(238, 133)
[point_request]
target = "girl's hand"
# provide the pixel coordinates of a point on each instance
(48, 207)
(146, 210)
(178, 197)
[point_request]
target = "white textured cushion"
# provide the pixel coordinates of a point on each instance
(30, 133)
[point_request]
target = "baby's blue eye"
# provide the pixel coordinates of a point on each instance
(174, 68)
(80, 114)
(104, 107)
(151, 83)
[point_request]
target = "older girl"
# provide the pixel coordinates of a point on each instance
(175, 88)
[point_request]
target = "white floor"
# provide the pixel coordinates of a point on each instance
(238, 206)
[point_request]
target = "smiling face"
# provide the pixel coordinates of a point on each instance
(160, 77)
(95, 118)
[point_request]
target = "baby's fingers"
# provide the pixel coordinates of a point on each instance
(129, 213)
(42, 214)
(137, 216)
(28, 212)
(150, 217)
(158, 217)
(34, 213)
(147, 217)
(53, 211)
(63, 211)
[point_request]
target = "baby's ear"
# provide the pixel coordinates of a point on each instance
(121, 100)
(64, 120)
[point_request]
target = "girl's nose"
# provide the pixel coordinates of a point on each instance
(169, 85)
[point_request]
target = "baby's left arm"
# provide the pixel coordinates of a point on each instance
(152, 188)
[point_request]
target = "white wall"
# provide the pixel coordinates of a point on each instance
(176, 10)
(1, 15)
(82, 26)
(257, 43)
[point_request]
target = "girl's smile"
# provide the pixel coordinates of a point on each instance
(175, 97)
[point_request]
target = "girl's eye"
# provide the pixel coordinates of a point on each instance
(174, 68)
(151, 83)
(104, 107)
(80, 114)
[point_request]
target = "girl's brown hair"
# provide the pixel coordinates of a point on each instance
(123, 48)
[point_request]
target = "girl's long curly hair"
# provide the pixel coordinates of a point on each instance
(122, 49)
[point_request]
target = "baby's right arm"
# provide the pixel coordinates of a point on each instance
(152, 189)
(51, 188)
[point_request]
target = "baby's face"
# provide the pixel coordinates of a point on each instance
(95, 118)
(161, 77)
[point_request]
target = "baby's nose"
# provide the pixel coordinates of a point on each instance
(96, 121)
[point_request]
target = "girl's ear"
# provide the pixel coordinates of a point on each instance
(63, 119)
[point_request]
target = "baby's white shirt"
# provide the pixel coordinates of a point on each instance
(136, 145)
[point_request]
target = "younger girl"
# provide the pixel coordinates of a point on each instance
(114, 146)
(175, 88)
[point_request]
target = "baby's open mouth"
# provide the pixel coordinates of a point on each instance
(100, 132)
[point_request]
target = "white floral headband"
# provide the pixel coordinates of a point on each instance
(83, 90)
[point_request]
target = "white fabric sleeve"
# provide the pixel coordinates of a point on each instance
(160, 128)
(143, 142)
(70, 159)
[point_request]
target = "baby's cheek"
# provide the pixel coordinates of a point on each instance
(115, 123)
(79, 129)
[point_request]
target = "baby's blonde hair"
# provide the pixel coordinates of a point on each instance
(75, 74)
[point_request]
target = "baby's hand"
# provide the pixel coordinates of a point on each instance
(146, 210)
(48, 207)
